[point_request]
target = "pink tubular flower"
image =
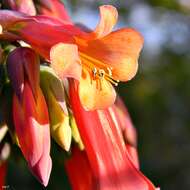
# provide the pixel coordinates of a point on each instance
(30, 112)
(111, 163)
(96, 59)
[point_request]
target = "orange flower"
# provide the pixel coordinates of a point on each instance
(96, 59)
(105, 58)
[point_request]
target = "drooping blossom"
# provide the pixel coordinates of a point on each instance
(30, 114)
(111, 163)
(96, 59)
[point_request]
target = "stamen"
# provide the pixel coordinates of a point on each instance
(109, 71)
(101, 73)
(94, 72)
(97, 74)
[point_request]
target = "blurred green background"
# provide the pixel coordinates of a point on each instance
(158, 98)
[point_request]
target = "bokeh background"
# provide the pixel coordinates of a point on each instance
(158, 98)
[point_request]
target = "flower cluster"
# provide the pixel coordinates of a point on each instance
(57, 79)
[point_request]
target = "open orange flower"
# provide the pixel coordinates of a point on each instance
(105, 58)
(97, 59)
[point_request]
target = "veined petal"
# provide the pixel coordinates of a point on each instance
(108, 19)
(129, 131)
(95, 94)
(105, 149)
(65, 61)
(119, 50)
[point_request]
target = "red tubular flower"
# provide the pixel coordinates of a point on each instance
(106, 151)
(30, 112)
(96, 59)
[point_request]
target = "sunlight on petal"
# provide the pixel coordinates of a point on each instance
(65, 61)
(92, 95)
(108, 19)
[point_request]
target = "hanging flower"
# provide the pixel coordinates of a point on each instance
(96, 59)
(110, 161)
(79, 95)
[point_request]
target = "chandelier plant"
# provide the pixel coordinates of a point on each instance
(57, 82)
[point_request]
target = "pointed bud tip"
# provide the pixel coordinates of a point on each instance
(63, 136)
(42, 170)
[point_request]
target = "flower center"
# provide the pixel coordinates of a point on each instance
(97, 69)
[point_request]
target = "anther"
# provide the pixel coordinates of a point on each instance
(109, 71)
(94, 72)
(101, 73)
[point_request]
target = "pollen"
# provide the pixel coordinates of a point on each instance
(98, 70)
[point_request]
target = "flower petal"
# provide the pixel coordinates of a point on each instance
(55, 8)
(24, 6)
(119, 50)
(86, 181)
(16, 71)
(65, 61)
(31, 65)
(106, 149)
(92, 95)
(28, 129)
(108, 19)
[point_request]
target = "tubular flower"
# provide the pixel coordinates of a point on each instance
(30, 114)
(105, 148)
(96, 59)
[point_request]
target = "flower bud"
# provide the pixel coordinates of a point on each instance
(55, 98)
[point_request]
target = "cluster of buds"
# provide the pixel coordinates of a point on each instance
(56, 81)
